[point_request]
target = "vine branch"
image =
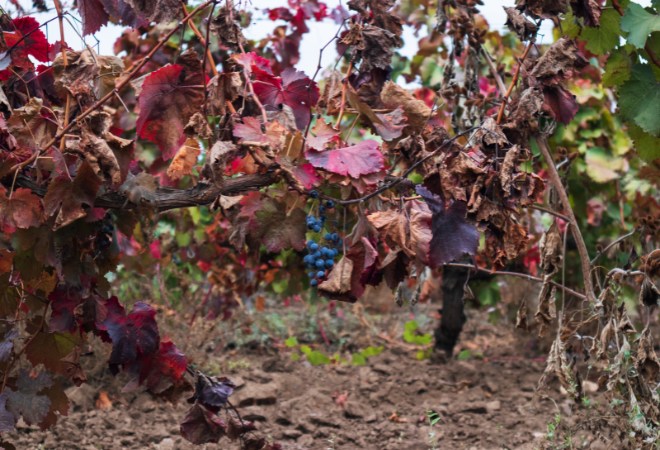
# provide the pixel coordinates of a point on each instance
(568, 210)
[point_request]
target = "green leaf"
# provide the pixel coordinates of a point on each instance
(317, 358)
(639, 99)
(617, 69)
(602, 166)
(291, 342)
(639, 24)
(605, 37)
(412, 336)
(646, 146)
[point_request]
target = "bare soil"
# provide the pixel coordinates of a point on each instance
(487, 401)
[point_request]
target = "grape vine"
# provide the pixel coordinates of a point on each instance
(195, 147)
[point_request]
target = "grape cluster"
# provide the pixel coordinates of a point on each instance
(320, 258)
(104, 236)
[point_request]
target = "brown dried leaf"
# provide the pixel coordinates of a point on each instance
(417, 112)
(198, 126)
(551, 250)
(543, 8)
(228, 29)
(490, 133)
(184, 160)
(558, 364)
(646, 360)
(338, 284)
(558, 63)
(221, 153)
(87, 74)
(519, 24)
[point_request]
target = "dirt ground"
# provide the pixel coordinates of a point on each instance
(487, 401)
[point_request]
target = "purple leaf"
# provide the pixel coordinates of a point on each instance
(453, 236)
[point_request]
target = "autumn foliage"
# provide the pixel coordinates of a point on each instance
(472, 166)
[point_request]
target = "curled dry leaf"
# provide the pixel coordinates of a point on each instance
(219, 155)
(417, 112)
(228, 30)
(519, 24)
(184, 160)
(338, 284)
(33, 125)
(551, 250)
(646, 361)
(87, 75)
(198, 126)
(97, 146)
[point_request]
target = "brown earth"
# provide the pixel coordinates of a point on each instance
(486, 401)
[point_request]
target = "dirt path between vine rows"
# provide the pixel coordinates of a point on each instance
(485, 403)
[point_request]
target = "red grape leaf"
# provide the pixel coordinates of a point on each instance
(93, 15)
(72, 199)
(390, 125)
(33, 125)
(59, 405)
(306, 174)
(453, 236)
(253, 63)
(26, 40)
(22, 210)
(166, 367)
(250, 132)
(322, 134)
(356, 161)
(201, 426)
(168, 98)
(63, 302)
(294, 89)
(133, 336)
(561, 103)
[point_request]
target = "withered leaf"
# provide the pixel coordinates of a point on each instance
(417, 112)
(184, 160)
(519, 24)
(338, 284)
(72, 199)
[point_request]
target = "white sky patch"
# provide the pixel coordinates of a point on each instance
(320, 32)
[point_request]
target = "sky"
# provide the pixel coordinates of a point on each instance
(312, 42)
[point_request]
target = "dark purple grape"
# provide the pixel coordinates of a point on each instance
(320, 274)
(319, 263)
(313, 283)
(328, 263)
